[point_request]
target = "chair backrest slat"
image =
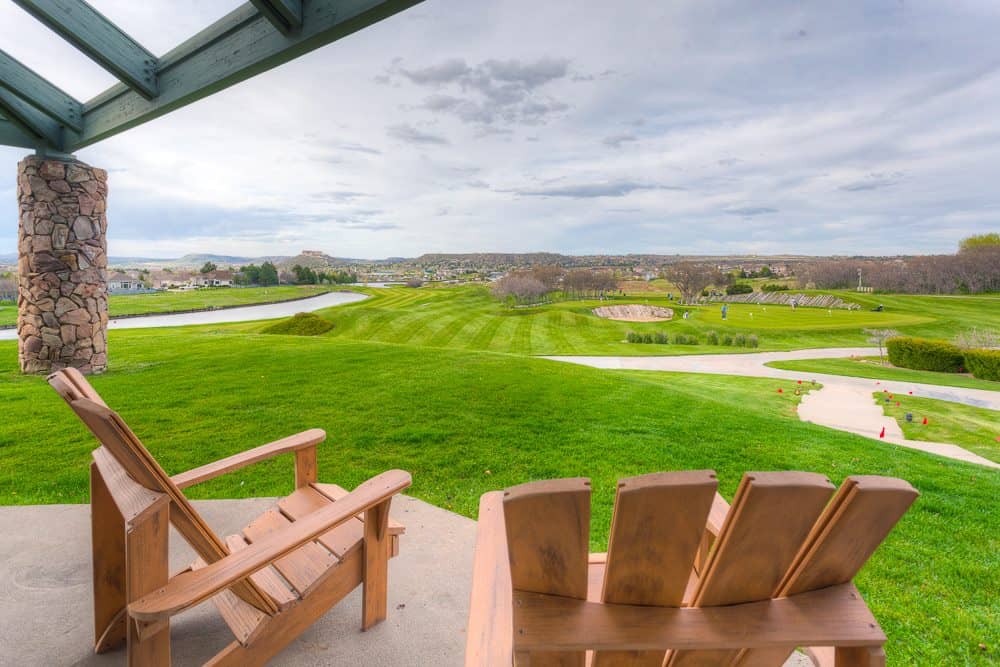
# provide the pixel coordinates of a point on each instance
(656, 529)
(548, 542)
(857, 520)
(771, 516)
(117, 438)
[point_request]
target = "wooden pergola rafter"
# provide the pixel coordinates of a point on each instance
(251, 39)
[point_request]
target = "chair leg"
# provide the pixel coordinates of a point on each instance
(107, 530)
(860, 656)
(375, 583)
(147, 569)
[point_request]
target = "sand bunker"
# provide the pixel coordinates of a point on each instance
(634, 313)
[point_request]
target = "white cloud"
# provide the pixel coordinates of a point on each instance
(635, 126)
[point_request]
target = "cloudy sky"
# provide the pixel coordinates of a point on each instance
(690, 126)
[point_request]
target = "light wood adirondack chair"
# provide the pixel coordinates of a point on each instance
(687, 579)
(270, 583)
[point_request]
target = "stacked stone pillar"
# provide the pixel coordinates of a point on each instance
(62, 266)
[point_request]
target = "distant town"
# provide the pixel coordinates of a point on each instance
(927, 273)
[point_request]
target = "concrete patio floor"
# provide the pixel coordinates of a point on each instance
(45, 594)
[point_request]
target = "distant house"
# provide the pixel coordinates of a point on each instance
(123, 282)
(171, 279)
(213, 279)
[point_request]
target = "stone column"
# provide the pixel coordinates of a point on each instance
(62, 265)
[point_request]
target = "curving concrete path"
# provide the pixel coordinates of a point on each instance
(269, 311)
(844, 403)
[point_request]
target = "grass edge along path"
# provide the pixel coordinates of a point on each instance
(464, 423)
(867, 369)
(974, 428)
(175, 301)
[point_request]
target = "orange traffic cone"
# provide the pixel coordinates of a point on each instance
(925, 421)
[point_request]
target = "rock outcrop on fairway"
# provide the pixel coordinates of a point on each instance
(634, 312)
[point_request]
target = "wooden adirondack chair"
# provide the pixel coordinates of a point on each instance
(687, 579)
(270, 583)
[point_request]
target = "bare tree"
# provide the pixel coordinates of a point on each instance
(879, 337)
(519, 288)
(690, 278)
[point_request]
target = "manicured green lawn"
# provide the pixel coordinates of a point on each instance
(868, 367)
(468, 318)
(976, 429)
(467, 422)
(171, 301)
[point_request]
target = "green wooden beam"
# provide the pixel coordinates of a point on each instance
(31, 121)
(235, 48)
(285, 15)
(107, 44)
(11, 134)
(35, 89)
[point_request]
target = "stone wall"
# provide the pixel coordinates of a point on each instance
(62, 266)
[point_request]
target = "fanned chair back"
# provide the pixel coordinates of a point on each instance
(782, 537)
(117, 438)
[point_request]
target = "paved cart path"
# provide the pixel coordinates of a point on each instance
(267, 311)
(844, 402)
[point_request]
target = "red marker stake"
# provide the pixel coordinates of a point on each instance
(882, 432)
(925, 421)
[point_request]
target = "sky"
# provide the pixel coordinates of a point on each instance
(583, 127)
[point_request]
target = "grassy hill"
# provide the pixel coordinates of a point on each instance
(468, 422)
(468, 318)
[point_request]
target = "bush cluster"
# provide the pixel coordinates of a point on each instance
(739, 288)
(711, 338)
(774, 287)
(301, 324)
(983, 364)
(923, 354)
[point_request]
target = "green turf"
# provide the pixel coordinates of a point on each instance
(172, 301)
(976, 429)
(468, 318)
(465, 422)
(869, 367)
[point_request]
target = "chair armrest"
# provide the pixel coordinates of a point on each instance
(490, 638)
(292, 443)
(191, 588)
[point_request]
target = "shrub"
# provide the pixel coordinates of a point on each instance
(712, 338)
(661, 338)
(684, 339)
(740, 288)
(647, 338)
(925, 355)
(774, 287)
(740, 340)
(983, 364)
(633, 337)
(753, 341)
(300, 324)
(727, 340)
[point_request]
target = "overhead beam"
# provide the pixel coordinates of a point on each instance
(237, 47)
(37, 90)
(31, 121)
(284, 15)
(12, 135)
(107, 44)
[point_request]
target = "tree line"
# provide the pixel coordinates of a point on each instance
(974, 269)
(307, 276)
